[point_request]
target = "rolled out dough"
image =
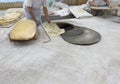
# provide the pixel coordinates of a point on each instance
(53, 29)
(23, 30)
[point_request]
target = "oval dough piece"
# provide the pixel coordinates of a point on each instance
(23, 30)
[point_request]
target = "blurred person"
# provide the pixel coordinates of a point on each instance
(32, 9)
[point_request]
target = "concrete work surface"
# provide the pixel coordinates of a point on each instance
(59, 62)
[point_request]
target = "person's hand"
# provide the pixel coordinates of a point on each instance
(35, 20)
(37, 23)
(48, 20)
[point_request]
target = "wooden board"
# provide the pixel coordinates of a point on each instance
(102, 8)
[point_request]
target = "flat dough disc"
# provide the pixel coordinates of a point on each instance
(23, 30)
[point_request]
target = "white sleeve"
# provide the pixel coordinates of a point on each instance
(44, 3)
(29, 3)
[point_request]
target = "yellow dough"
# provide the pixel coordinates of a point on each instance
(53, 29)
(23, 30)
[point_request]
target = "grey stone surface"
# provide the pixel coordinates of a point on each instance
(59, 62)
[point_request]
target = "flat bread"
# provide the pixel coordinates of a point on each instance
(9, 18)
(23, 30)
(53, 29)
(78, 12)
(11, 10)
